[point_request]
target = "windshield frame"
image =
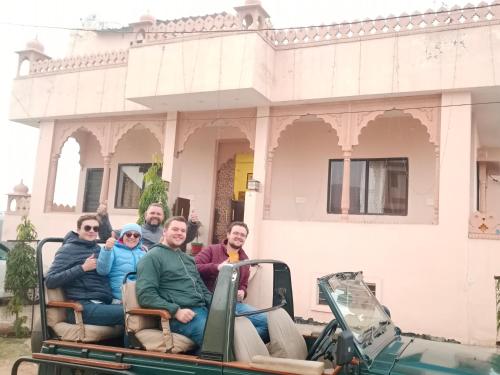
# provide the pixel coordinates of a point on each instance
(389, 334)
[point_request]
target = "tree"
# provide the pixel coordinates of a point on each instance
(155, 190)
(21, 278)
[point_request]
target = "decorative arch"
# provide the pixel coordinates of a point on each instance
(426, 116)
(281, 123)
(65, 131)
(189, 127)
(119, 131)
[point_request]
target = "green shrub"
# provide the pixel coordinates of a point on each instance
(21, 278)
(155, 190)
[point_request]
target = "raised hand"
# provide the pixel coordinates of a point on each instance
(90, 263)
(110, 242)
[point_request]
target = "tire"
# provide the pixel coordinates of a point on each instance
(36, 337)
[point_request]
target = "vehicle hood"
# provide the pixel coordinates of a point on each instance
(423, 357)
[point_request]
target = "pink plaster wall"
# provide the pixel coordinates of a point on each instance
(300, 168)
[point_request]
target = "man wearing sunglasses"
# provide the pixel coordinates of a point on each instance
(74, 270)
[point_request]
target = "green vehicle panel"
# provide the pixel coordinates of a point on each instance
(361, 339)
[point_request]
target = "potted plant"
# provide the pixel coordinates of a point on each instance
(196, 246)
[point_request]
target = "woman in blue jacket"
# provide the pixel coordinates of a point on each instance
(119, 257)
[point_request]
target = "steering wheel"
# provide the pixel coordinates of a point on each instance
(323, 342)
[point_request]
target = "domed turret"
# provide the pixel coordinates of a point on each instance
(35, 45)
(21, 189)
(148, 18)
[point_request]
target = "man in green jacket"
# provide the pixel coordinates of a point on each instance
(168, 279)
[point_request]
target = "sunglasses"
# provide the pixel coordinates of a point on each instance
(87, 228)
(130, 235)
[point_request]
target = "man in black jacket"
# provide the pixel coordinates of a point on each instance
(74, 270)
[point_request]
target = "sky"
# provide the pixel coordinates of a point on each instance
(18, 142)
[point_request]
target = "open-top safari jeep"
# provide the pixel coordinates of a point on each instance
(360, 339)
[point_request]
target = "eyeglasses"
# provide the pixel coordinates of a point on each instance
(130, 234)
(87, 228)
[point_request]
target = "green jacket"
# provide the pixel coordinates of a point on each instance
(168, 279)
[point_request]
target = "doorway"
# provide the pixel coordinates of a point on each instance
(234, 168)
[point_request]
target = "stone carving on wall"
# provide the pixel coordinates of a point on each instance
(98, 60)
(388, 27)
(485, 226)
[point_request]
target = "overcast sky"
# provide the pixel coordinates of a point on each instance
(18, 142)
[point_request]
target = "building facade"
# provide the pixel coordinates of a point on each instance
(369, 146)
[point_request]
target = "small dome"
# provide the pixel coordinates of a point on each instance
(21, 188)
(36, 45)
(148, 18)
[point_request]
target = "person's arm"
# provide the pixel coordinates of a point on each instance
(244, 275)
(192, 231)
(59, 273)
(207, 295)
(106, 258)
(148, 284)
(204, 263)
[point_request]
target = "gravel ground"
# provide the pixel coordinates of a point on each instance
(10, 350)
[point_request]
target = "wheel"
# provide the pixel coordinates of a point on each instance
(324, 342)
(36, 337)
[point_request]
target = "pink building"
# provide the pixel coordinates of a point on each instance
(369, 146)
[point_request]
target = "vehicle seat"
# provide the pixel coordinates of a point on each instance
(56, 320)
(151, 327)
(285, 339)
(247, 342)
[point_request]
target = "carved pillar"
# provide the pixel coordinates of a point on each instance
(170, 134)
(435, 218)
(254, 199)
(105, 179)
(346, 185)
(483, 186)
(51, 182)
(267, 187)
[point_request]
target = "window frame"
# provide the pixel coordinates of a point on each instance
(367, 160)
(86, 188)
(118, 170)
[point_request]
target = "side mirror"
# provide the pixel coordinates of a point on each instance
(386, 310)
(345, 348)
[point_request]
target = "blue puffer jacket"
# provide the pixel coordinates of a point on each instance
(116, 263)
(66, 271)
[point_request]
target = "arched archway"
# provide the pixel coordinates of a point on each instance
(299, 173)
(392, 169)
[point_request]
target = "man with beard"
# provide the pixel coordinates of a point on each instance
(74, 270)
(212, 258)
(167, 279)
(151, 229)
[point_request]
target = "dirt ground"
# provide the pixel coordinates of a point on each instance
(10, 350)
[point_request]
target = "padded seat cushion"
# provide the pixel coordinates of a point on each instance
(154, 340)
(93, 333)
(247, 342)
(286, 340)
(288, 366)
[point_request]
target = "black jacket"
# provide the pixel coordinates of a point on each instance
(67, 273)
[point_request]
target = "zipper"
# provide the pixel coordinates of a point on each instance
(193, 280)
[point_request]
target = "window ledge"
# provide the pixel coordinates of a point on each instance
(485, 236)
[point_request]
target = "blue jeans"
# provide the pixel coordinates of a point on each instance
(258, 320)
(99, 314)
(193, 329)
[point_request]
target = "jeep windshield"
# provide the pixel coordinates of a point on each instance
(357, 310)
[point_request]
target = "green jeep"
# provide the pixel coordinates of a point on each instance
(361, 339)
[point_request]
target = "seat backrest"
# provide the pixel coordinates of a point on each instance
(54, 315)
(286, 340)
(247, 342)
(135, 323)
